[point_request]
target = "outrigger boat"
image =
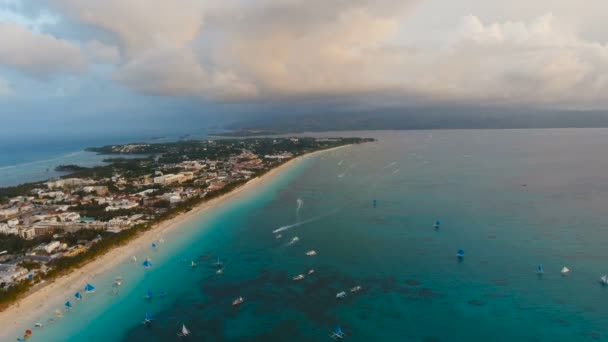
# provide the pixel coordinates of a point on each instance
(238, 301)
(147, 320)
(337, 333)
(356, 289)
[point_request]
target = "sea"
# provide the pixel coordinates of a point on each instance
(510, 199)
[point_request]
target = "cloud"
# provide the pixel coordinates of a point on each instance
(102, 53)
(268, 49)
(37, 54)
(140, 25)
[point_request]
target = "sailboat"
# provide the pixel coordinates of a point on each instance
(192, 263)
(185, 332)
(540, 270)
(218, 263)
(565, 271)
(148, 295)
(77, 295)
(147, 263)
(460, 254)
(604, 280)
(147, 320)
(89, 288)
(337, 333)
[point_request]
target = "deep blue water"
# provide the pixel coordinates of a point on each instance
(511, 199)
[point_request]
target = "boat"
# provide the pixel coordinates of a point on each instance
(311, 252)
(437, 224)
(341, 295)
(148, 295)
(238, 301)
(375, 203)
(540, 269)
(218, 263)
(58, 313)
(219, 271)
(298, 277)
(77, 295)
(604, 280)
(117, 283)
(89, 288)
(38, 325)
(147, 263)
(460, 254)
(278, 236)
(68, 305)
(565, 271)
(134, 258)
(337, 333)
(192, 263)
(356, 288)
(311, 271)
(147, 320)
(294, 239)
(185, 332)
(154, 245)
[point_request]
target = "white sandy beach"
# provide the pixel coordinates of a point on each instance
(38, 303)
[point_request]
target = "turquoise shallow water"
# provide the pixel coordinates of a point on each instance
(510, 199)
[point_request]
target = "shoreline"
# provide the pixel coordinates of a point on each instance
(37, 302)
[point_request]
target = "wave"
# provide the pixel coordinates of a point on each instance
(390, 164)
(68, 155)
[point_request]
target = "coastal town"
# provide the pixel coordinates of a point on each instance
(51, 227)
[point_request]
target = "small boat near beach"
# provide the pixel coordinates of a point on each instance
(238, 301)
(298, 277)
(148, 295)
(311, 252)
(89, 288)
(147, 263)
(38, 326)
(540, 270)
(341, 295)
(460, 254)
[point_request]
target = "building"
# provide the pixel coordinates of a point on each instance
(99, 190)
(172, 178)
(68, 183)
(8, 212)
(12, 223)
(51, 246)
(9, 274)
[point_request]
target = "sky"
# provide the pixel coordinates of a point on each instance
(109, 64)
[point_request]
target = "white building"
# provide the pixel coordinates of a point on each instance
(10, 273)
(13, 223)
(8, 212)
(52, 246)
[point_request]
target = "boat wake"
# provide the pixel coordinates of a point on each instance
(390, 164)
(396, 171)
(300, 202)
(297, 224)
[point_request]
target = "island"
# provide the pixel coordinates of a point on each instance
(51, 228)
